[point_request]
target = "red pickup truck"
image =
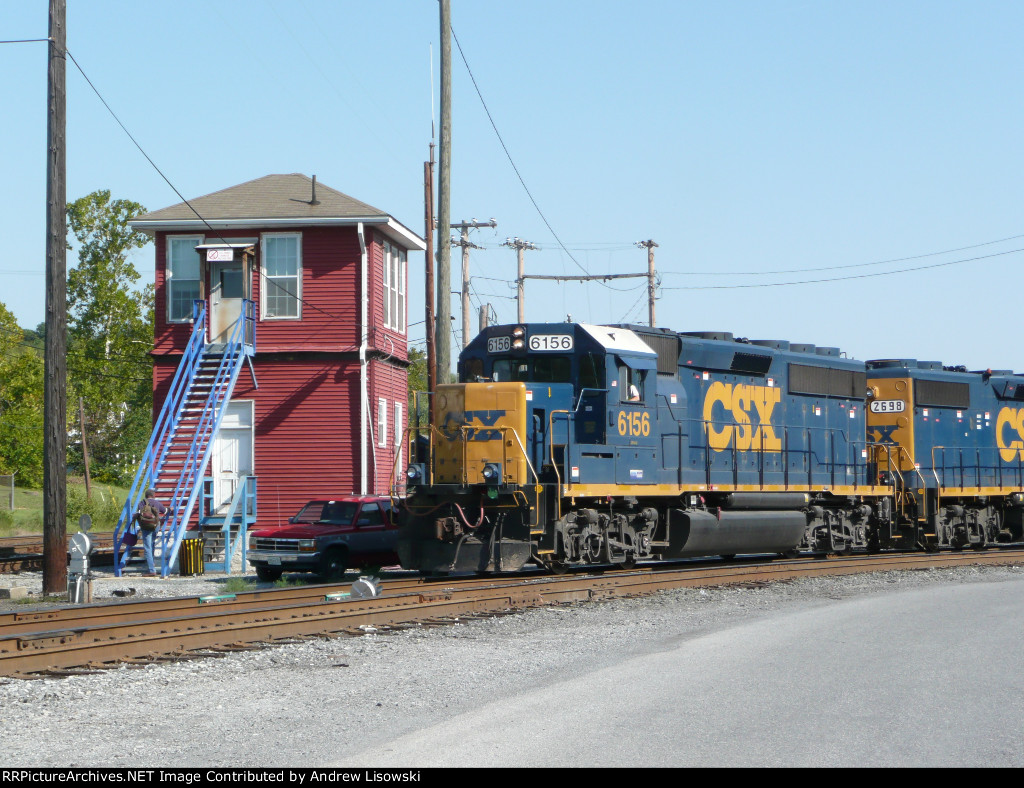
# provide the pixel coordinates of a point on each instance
(327, 537)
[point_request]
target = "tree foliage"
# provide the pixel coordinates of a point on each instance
(417, 382)
(21, 404)
(110, 334)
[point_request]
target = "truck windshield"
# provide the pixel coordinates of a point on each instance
(333, 512)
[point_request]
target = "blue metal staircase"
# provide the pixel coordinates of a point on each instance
(181, 445)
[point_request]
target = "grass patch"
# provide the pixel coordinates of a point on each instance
(27, 518)
(235, 584)
(34, 600)
(291, 582)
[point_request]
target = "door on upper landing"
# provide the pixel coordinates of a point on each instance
(227, 290)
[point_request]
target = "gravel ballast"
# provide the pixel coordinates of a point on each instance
(323, 702)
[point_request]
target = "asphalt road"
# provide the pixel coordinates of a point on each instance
(932, 676)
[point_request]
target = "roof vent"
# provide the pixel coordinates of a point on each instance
(775, 344)
(314, 200)
(721, 336)
(802, 348)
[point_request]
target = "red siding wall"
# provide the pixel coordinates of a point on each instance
(307, 406)
(306, 432)
(330, 295)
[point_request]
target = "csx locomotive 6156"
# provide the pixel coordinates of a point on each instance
(569, 443)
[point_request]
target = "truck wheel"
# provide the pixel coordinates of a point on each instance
(333, 564)
(268, 574)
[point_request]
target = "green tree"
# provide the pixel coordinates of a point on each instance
(21, 404)
(110, 334)
(417, 382)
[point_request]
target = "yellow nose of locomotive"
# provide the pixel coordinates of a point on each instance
(480, 433)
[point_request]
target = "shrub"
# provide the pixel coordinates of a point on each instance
(103, 507)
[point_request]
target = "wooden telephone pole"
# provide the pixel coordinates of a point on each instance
(428, 323)
(55, 562)
(520, 245)
(649, 245)
(443, 327)
(464, 227)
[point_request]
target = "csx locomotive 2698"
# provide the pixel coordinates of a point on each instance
(569, 443)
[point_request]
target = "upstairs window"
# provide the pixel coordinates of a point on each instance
(182, 276)
(394, 288)
(282, 276)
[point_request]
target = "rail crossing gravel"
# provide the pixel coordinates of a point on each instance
(322, 702)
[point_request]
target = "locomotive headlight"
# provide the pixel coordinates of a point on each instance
(519, 332)
(492, 473)
(414, 473)
(518, 344)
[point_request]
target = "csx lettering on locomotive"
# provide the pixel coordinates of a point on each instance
(487, 418)
(1012, 418)
(737, 401)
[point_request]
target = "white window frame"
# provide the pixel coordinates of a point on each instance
(398, 435)
(382, 422)
(395, 263)
(265, 280)
(169, 274)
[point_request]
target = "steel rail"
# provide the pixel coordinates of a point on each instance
(288, 615)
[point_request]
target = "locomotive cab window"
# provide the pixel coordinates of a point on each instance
(631, 383)
(592, 372)
(506, 369)
(472, 368)
(542, 369)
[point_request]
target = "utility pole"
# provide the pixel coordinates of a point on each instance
(464, 227)
(85, 446)
(649, 245)
(520, 245)
(443, 328)
(428, 323)
(55, 567)
(485, 316)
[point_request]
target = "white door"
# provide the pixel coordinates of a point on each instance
(232, 451)
(227, 289)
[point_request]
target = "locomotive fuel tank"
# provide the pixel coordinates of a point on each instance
(693, 532)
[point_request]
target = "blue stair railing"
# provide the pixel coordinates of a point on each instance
(163, 431)
(169, 430)
(188, 487)
(240, 514)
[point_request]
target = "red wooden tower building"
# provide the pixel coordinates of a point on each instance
(300, 294)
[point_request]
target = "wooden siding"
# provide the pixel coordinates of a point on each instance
(330, 295)
(388, 381)
(306, 431)
(307, 405)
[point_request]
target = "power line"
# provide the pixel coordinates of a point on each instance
(845, 278)
(840, 267)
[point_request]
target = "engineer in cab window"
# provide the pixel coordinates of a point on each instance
(631, 383)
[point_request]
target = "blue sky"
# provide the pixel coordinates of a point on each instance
(779, 135)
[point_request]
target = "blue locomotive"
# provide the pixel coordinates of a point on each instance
(569, 443)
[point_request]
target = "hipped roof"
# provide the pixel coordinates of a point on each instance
(275, 201)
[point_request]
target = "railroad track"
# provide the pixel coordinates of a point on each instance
(71, 640)
(25, 553)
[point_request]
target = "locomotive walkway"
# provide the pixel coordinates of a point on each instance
(70, 640)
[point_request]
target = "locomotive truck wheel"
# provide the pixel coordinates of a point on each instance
(333, 564)
(268, 574)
